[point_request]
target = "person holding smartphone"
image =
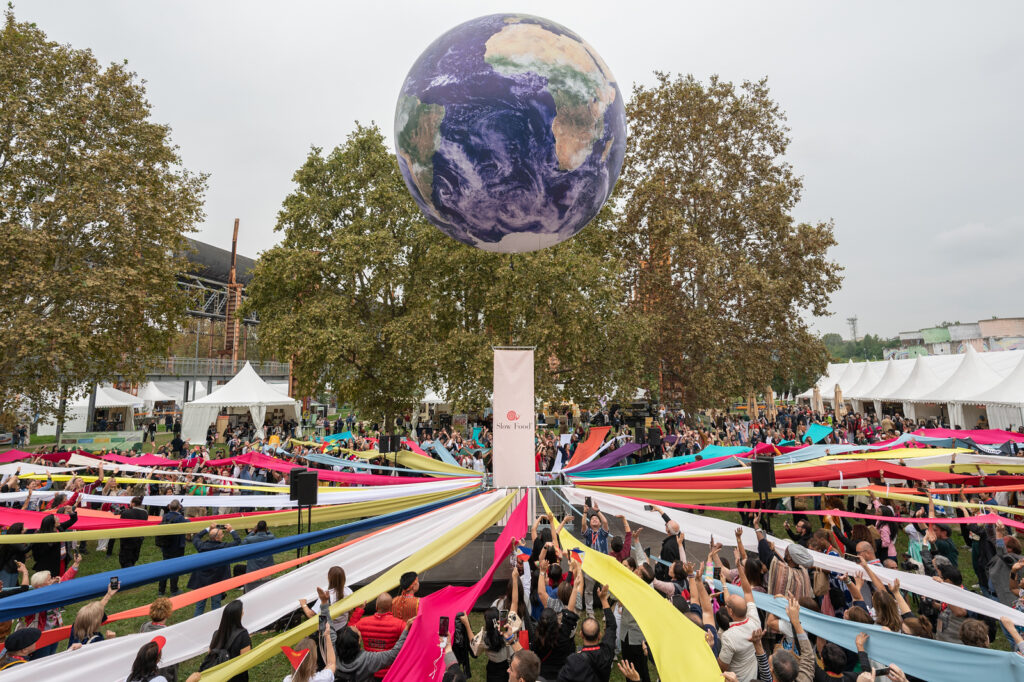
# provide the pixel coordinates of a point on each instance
(209, 540)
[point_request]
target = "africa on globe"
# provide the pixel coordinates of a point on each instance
(510, 132)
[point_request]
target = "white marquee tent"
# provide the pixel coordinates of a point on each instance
(968, 385)
(246, 392)
(107, 398)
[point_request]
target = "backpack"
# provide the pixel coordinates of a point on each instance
(218, 656)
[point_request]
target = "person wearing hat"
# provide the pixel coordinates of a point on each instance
(407, 605)
(19, 644)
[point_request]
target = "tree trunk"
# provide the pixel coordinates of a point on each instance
(61, 410)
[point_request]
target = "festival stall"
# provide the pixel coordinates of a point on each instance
(116, 407)
(246, 393)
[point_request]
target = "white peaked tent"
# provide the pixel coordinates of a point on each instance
(151, 394)
(851, 375)
(832, 373)
(245, 392)
(971, 376)
(869, 376)
(896, 372)
(1005, 400)
(107, 398)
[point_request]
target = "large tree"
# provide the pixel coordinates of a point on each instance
(376, 305)
(721, 267)
(94, 204)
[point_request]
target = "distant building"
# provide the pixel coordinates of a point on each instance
(996, 334)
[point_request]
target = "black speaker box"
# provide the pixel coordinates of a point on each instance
(303, 487)
(762, 474)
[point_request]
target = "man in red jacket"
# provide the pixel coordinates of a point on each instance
(381, 630)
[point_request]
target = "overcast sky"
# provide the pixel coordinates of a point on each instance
(906, 117)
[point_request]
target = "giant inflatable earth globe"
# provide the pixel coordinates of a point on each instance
(510, 132)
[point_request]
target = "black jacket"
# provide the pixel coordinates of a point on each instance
(211, 574)
(593, 664)
(47, 554)
(173, 542)
(135, 514)
(553, 656)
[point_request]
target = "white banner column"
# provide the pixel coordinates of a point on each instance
(514, 418)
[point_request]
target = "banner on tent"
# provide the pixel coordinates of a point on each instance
(514, 417)
(102, 440)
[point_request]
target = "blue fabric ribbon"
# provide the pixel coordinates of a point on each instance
(87, 587)
(928, 659)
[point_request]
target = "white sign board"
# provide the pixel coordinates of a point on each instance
(514, 418)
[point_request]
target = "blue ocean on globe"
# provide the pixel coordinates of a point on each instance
(510, 132)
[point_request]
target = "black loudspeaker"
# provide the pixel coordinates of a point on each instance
(654, 438)
(304, 488)
(386, 444)
(293, 479)
(762, 474)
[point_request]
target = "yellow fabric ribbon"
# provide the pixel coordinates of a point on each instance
(441, 549)
(678, 645)
(336, 512)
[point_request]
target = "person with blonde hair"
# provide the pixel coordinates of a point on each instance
(86, 629)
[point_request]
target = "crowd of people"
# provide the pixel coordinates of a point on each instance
(553, 621)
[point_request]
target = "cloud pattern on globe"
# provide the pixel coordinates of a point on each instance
(510, 132)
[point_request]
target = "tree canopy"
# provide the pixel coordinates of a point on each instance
(723, 271)
(94, 205)
(376, 305)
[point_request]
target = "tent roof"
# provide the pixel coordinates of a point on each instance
(921, 380)
(896, 372)
(151, 393)
(245, 389)
(1009, 391)
(972, 376)
(871, 375)
(108, 396)
(849, 377)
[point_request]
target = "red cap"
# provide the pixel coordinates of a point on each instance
(160, 641)
(295, 657)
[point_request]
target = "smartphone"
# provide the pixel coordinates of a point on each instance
(222, 526)
(717, 573)
(503, 616)
(852, 557)
(115, 583)
(442, 629)
(648, 507)
(882, 672)
(587, 501)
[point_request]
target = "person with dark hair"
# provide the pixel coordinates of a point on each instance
(11, 555)
(553, 641)
(259, 534)
(336, 591)
(146, 667)
(493, 639)
(231, 637)
(171, 546)
(47, 554)
(406, 605)
(594, 660)
(128, 555)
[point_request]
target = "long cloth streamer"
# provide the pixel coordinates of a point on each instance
(362, 560)
(442, 548)
(326, 496)
(594, 439)
(282, 518)
(704, 529)
(419, 658)
(95, 585)
(926, 659)
(678, 645)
